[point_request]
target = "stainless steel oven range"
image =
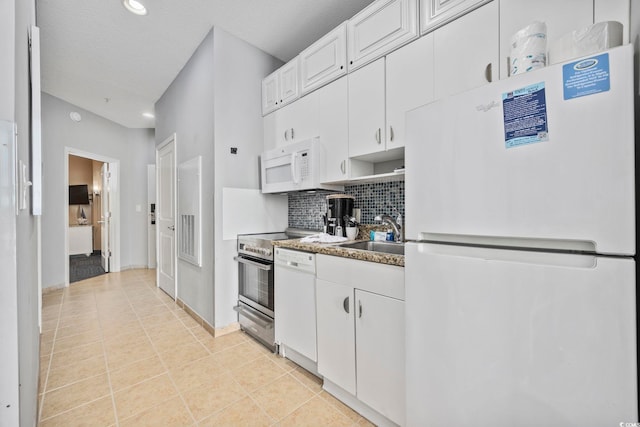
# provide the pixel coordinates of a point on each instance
(256, 285)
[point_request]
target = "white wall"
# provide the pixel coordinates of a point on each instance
(240, 68)
(134, 148)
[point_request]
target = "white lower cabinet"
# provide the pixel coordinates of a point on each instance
(380, 353)
(80, 240)
(360, 333)
(336, 334)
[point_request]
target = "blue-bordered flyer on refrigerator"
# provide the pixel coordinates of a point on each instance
(525, 116)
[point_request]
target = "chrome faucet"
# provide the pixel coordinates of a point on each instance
(388, 219)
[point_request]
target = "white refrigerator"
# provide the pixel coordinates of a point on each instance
(520, 270)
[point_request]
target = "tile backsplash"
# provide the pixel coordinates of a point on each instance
(306, 209)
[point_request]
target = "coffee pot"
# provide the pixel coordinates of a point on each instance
(339, 206)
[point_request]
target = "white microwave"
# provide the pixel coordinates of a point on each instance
(294, 167)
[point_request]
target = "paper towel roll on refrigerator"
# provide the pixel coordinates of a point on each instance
(586, 41)
(528, 49)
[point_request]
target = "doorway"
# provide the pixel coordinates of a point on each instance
(91, 215)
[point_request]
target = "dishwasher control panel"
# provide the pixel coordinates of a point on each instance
(297, 260)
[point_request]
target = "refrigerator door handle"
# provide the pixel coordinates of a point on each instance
(511, 242)
(559, 259)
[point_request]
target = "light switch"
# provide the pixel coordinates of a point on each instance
(138, 208)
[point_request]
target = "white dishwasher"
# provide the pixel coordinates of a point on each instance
(295, 306)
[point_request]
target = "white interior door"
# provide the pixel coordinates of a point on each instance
(165, 219)
(105, 218)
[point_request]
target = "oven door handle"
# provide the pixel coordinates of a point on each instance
(261, 266)
(254, 317)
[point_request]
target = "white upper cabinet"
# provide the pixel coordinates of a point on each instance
(280, 87)
(289, 88)
(382, 92)
(561, 18)
(292, 123)
(466, 51)
(380, 28)
(435, 13)
(367, 109)
(333, 127)
(324, 61)
(409, 84)
(270, 92)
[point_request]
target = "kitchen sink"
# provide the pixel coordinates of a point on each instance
(385, 247)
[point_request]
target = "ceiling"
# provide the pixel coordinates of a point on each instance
(98, 56)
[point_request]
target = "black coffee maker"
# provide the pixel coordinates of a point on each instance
(338, 206)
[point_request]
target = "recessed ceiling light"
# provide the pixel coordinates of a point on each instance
(148, 115)
(135, 6)
(75, 116)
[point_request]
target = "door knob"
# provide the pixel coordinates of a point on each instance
(171, 227)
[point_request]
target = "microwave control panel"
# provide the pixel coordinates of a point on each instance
(304, 165)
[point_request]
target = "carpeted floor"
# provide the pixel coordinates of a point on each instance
(83, 267)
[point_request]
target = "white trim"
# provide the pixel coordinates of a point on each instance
(114, 167)
(171, 139)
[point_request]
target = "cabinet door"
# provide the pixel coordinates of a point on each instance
(380, 28)
(297, 121)
(380, 356)
(269, 133)
(409, 74)
(435, 13)
(336, 335)
(333, 127)
(270, 93)
(466, 51)
(561, 18)
(289, 88)
(295, 303)
(325, 60)
(366, 109)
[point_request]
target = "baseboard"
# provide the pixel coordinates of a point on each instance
(215, 332)
(357, 405)
(53, 288)
(133, 267)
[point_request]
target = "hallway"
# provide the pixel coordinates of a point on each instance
(116, 351)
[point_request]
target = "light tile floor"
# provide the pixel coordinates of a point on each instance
(116, 351)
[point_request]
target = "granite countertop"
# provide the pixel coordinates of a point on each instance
(335, 250)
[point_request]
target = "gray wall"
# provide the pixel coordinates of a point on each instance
(134, 148)
(9, 392)
(212, 105)
(186, 108)
(19, 332)
(240, 68)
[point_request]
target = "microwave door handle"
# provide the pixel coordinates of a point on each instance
(294, 175)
